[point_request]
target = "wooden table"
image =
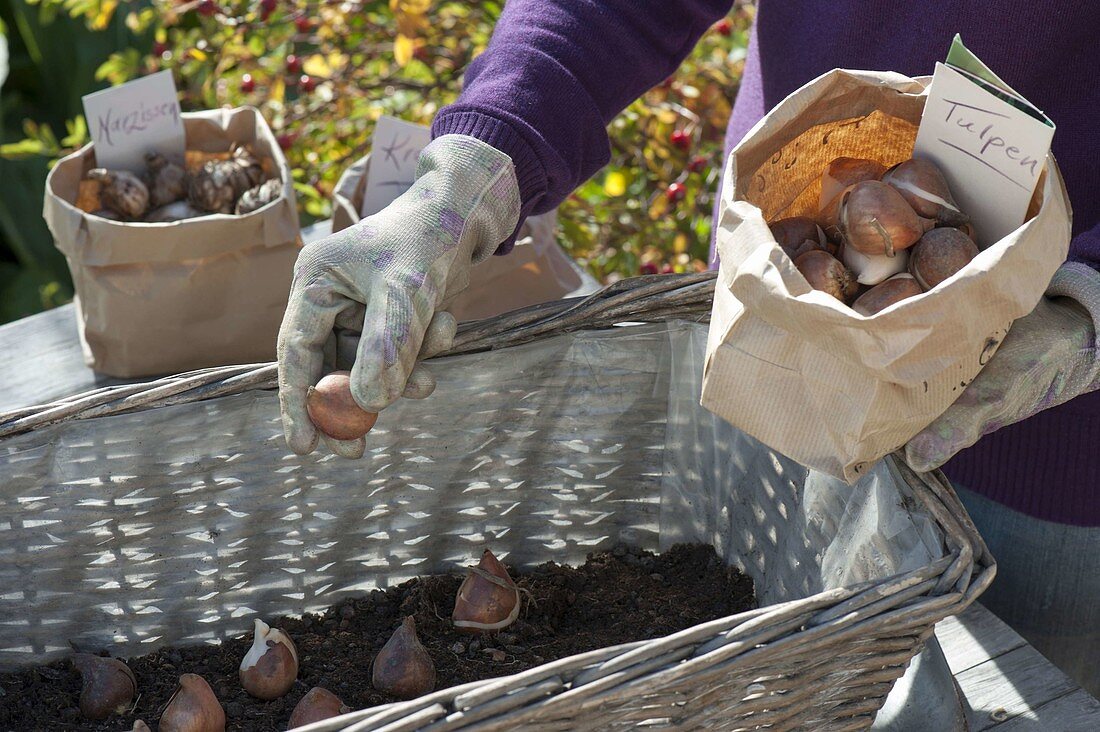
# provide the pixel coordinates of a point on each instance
(1010, 687)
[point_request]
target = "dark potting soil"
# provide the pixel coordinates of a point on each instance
(615, 597)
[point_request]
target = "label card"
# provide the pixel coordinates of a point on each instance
(395, 148)
(133, 119)
(991, 151)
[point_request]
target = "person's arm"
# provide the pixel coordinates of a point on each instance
(554, 75)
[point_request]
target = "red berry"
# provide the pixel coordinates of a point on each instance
(307, 83)
(724, 26)
(421, 53)
(648, 268)
(285, 140)
(304, 24)
(159, 49)
(675, 192)
(207, 8)
(293, 64)
(248, 84)
(268, 6)
(680, 139)
(697, 164)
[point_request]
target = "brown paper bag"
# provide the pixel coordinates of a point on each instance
(162, 298)
(536, 271)
(799, 370)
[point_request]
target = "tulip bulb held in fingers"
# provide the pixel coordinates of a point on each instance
(193, 708)
(107, 685)
(488, 599)
(403, 667)
(333, 410)
(318, 704)
(270, 667)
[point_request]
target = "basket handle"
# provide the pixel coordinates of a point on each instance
(651, 298)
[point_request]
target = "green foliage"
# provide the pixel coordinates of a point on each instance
(365, 58)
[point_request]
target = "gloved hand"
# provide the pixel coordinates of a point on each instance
(1048, 357)
(390, 276)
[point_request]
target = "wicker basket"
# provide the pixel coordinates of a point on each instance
(127, 527)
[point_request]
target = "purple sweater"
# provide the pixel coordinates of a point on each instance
(557, 71)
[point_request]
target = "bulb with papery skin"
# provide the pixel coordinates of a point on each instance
(403, 667)
(270, 667)
(193, 708)
(883, 295)
(825, 273)
(924, 187)
(844, 172)
(107, 685)
(940, 254)
(318, 704)
(790, 232)
(875, 219)
(334, 411)
(488, 599)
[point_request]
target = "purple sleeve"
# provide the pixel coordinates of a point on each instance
(1085, 248)
(554, 75)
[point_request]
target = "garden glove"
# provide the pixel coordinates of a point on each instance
(390, 276)
(1048, 357)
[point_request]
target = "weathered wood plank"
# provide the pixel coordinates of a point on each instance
(974, 638)
(1011, 684)
(1074, 712)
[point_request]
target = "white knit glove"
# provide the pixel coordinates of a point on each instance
(390, 276)
(1048, 358)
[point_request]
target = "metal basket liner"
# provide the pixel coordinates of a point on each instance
(180, 524)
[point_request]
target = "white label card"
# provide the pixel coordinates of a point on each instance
(395, 149)
(135, 118)
(990, 151)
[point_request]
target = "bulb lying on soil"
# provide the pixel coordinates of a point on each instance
(333, 410)
(108, 685)
(488, 599)
(939, 254)
(270, 667)
(826, 273)
(318, 703)
(883, 295)
(403, 667)
(193, 708)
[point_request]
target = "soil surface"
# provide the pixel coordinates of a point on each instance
(615, 597)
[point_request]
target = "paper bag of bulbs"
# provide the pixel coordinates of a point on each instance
(534, 272)
(853, 302)
(187, 263)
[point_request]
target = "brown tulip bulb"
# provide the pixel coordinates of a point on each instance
(790, 233)
(108, 685)
(875, 219)
(270, 667)
(845, 172)
(193, 708)
(824, 272)
(925, 189)
(403, 667)
(316, 705)
(488, 599)
(939, 254)
(333, 410)
(882, 296)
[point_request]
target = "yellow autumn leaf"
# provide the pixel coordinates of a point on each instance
(614, 184)
(323, 66)
(680, 243)
(103, 17)
(197, 54)
(658, 207)
(403, 49)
